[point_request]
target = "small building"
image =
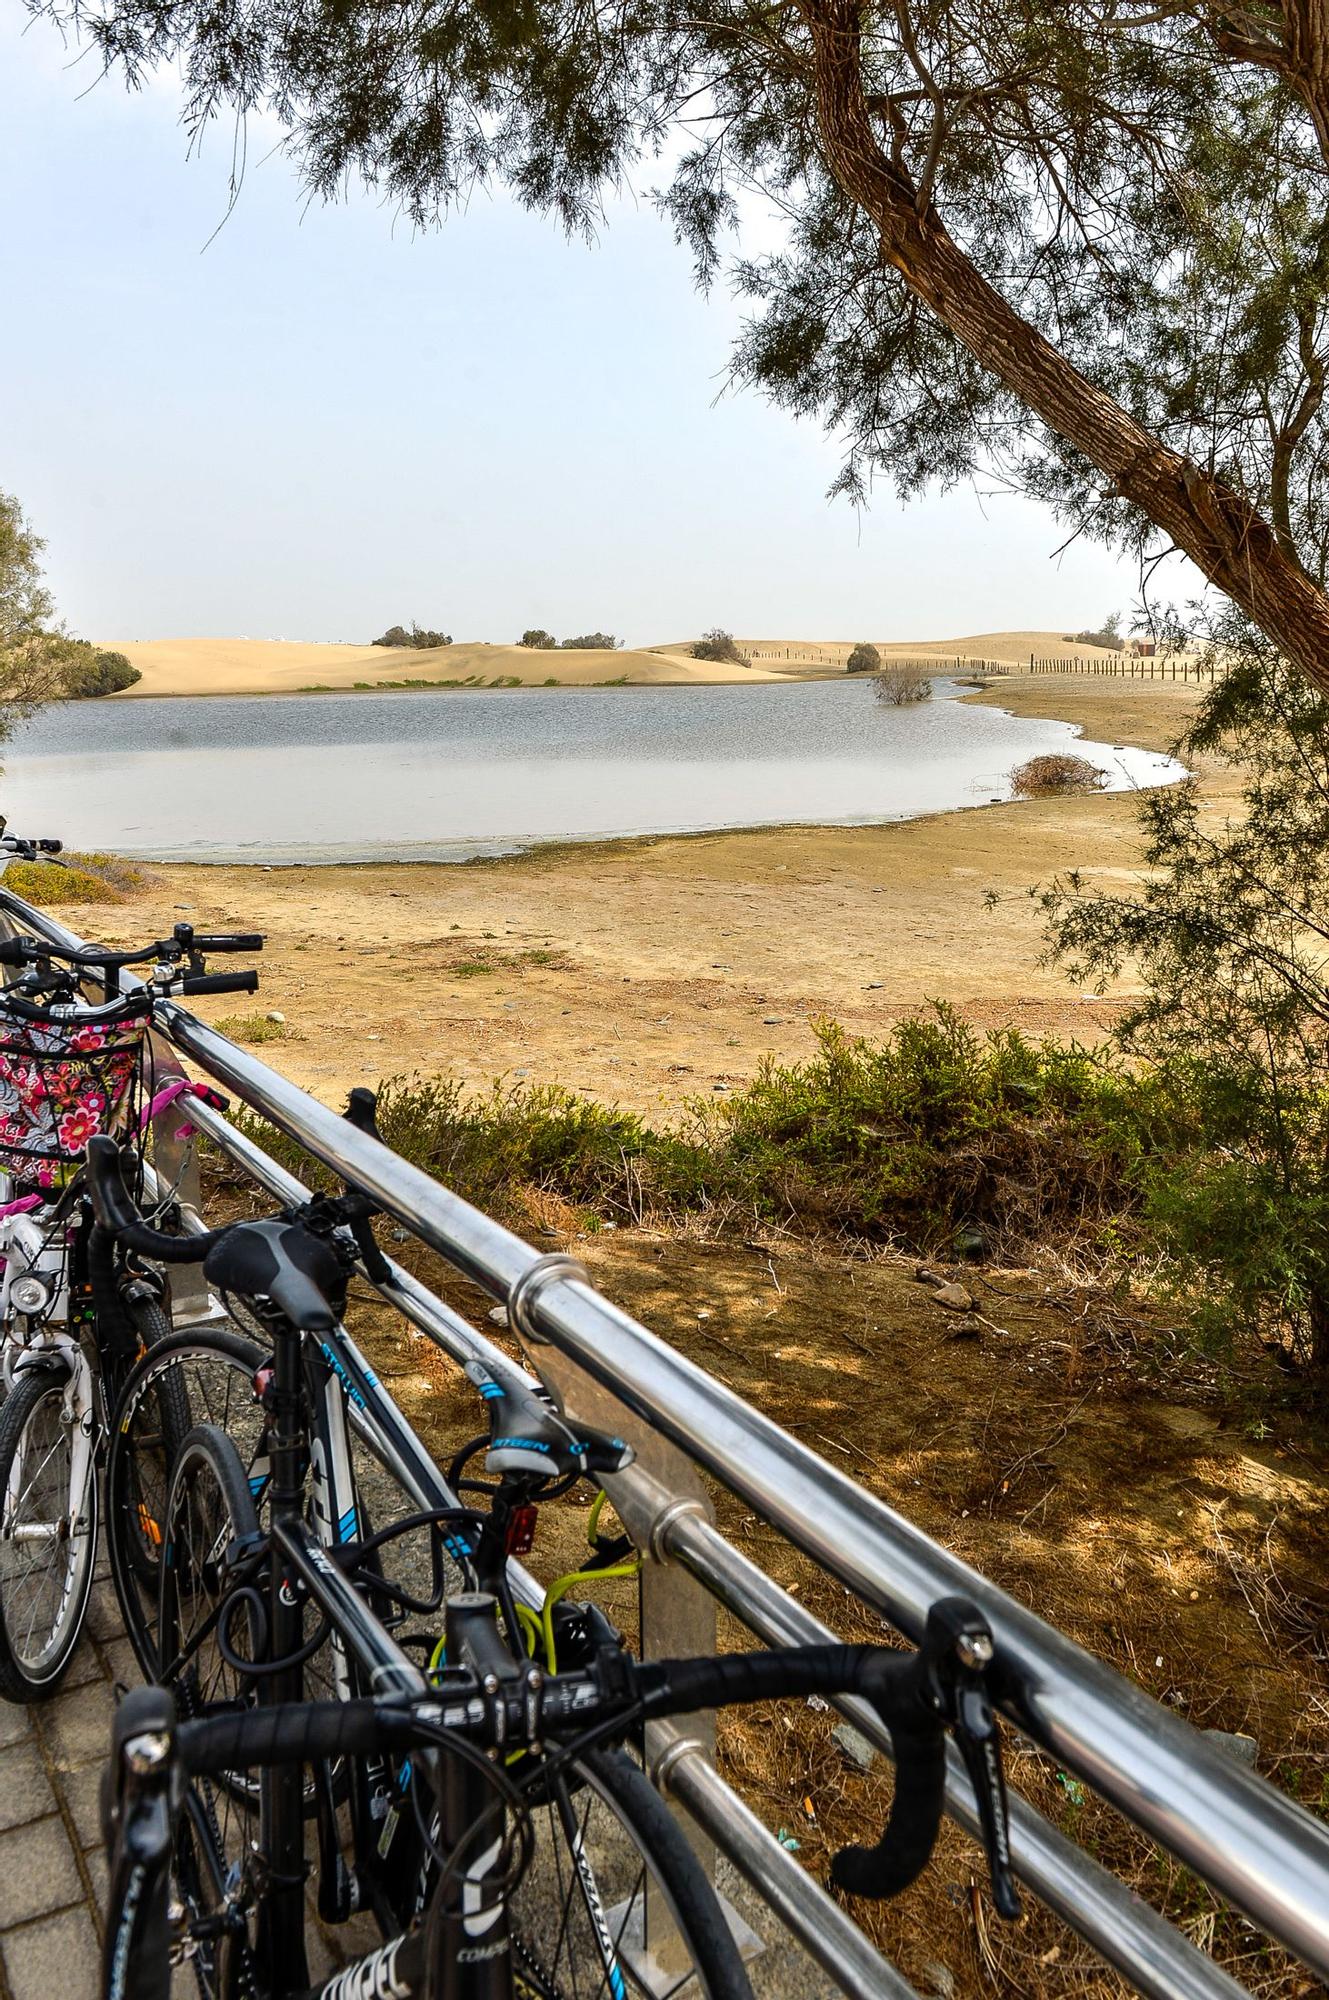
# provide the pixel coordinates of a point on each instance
(1141, 648)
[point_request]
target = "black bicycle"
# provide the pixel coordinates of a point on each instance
(275, 1876)
(75, 1310)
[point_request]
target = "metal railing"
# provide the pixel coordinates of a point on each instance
(1257, 1848)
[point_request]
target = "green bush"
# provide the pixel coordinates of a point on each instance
(910, 1140)
(418, 636)
(537, 637)
(92, 670)
(865, 659)
(594, 642)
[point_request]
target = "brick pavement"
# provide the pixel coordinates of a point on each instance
(52, 1864)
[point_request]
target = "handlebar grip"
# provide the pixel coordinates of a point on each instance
(294, 1733)
(112, 1203)
(220, 982)
(910, 1833)
(17, 950)
(50, 846)
(215, 941)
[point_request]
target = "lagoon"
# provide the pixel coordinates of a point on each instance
(452, 776)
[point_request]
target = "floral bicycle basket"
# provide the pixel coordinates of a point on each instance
(60, 1084)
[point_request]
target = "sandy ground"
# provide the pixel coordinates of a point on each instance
(648, 971)
(278, 666)
(261, 666)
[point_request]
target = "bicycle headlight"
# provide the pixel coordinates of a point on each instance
(28, 1294)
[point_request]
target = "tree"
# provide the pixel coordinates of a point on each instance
(537, 637)
(864, 659)
(1110, 216)
(418, 636)
(1228, 929)
(717, 644)
(591, 642)
(30, 665)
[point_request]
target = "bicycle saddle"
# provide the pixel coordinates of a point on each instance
(282, 1262)
(526, 1434)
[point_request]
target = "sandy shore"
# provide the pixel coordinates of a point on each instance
(650, 970)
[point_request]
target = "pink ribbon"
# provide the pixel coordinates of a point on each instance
(181, 1086)
(22, 1205)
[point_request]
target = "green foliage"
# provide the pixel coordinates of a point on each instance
(29, 653)
(594, 642)
(906, 1141)
(717, 644)
(536, 636)
(418, 636)
(83, 878)
(864, 659)
(1228, 929)
(92, 670)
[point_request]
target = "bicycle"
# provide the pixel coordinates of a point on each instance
(234, 1636)
(74, 1313)
(461, 1946)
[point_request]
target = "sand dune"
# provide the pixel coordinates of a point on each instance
(804, 656)
(263, 666)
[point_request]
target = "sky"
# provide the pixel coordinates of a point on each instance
(315, 422)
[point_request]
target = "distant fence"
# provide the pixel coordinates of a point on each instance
(1162, 667)
(836, 656)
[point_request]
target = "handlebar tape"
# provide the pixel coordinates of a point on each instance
(115, 1210)
(220, 982)
(306, 1733)
(894, 1683)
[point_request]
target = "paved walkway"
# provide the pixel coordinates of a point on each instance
(52, 1864)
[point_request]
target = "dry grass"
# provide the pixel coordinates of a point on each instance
(84, 878)
(1006, 1440)
(1056, 776)
(898, 683)
(257, 1028)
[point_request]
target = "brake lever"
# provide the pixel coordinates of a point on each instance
(959, 1651)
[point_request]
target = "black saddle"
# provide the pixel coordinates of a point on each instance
(285, 1263)
(526, 1434)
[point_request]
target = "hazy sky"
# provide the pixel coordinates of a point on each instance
(319, 422)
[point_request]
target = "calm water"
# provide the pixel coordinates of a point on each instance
(447, 776)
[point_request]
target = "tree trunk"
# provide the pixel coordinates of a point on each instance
(1223, 536)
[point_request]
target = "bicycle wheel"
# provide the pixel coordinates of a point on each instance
(209, 1512)
(48, 1533)
(185, 1379)
(615, 1901)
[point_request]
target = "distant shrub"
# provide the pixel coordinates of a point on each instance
(91, 670)
(1108, 635)
(898, 684)
(594, 642)
(539, 638)
(419, 636)
(1056, 775)
(719, 645)
(865, 659)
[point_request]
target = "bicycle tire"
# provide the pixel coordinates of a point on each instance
(213, 1376)
(51, 1601)
(704, 1962)
(209, 1509)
